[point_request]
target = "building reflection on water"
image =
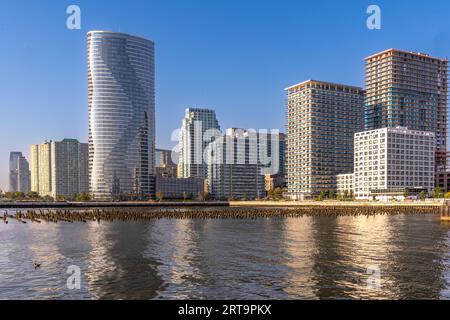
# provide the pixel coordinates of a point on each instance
(292, 258)
(117, 267)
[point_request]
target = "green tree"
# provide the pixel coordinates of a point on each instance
(422, 195)
(48, 199)
(18, 195)
(346, 196)
(321, 196)
(438, 193)
(447, 195)
(407, 193)
(32, 195)
(278, 193)
(83, 197)
(331, 195)
(159, 196)
(61, 198)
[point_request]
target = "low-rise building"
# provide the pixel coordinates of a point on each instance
(391, 161)
(179, 188)
(345, 184)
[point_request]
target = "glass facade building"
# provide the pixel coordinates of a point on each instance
(19, 173)
(121, 93)
(409, 89)
(13, 172)
(197, 130)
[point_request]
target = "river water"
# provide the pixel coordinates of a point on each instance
(381, 257)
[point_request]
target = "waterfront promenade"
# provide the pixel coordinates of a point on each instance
(412, 204)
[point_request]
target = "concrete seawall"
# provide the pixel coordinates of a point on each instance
(322, 204)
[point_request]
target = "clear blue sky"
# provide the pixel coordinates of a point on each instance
(235, 56)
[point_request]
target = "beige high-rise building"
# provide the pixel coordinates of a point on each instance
(322, 118)
(409, 89)
(59, 168)
(40, 167)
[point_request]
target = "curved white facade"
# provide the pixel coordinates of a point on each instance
(121, 84)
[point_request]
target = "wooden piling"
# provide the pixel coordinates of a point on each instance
(445, 211)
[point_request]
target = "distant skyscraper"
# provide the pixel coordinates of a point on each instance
(40, 167)
(121, 80)
(164, 166)
(19, 173)
(321, 121)
(410, 90)
(164, 158)
(59, 168)
(23, 178)
(13, 172)
(193, 142)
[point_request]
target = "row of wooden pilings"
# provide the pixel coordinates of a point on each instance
(445, 211)
(97, 215)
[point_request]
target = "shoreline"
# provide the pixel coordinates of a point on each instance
(321, 204)
(87, 205)
(212, 204)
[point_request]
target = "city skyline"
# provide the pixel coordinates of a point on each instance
(211, 86)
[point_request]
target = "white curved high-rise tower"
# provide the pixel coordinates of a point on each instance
(121, 84)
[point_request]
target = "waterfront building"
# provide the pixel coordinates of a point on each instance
(13, 172)
(409, 89)
(19, 173)
(276, 178)
(59, 168)
(235, 169)
(197, 123)
(180, 188)
(345, 184)
(322, 118)
(391, 161)
(23, 175)
(121, 98)
(165, 166)
(40, 167)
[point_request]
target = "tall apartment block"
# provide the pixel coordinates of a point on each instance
(19, 173)
(13, 172)
(41, 168)
(409, 89)
(23, 176)
(390, 161)
(197, 123)
(322, 119)
(121, 100)
(59, 168)
(235, 170)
